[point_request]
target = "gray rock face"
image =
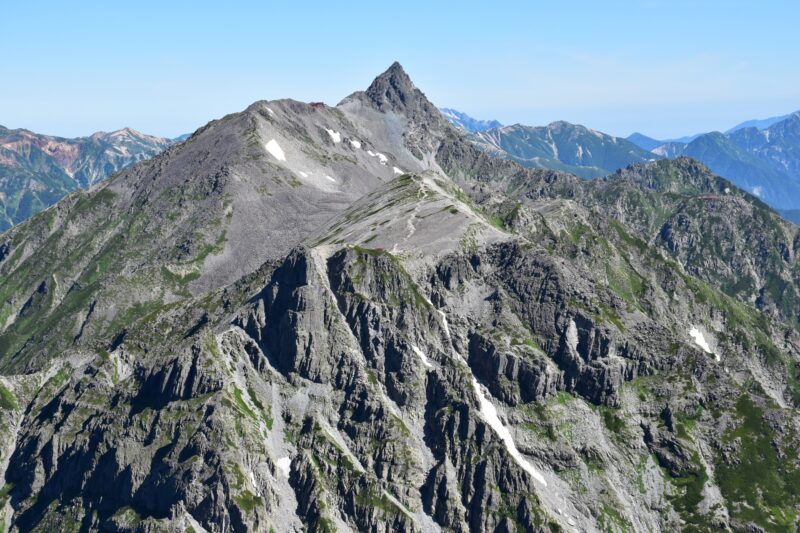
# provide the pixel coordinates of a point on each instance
(225, 339)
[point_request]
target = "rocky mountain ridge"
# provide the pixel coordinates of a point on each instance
(761, 158)
(352, 318)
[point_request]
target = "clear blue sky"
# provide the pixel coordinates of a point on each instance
(663, 67)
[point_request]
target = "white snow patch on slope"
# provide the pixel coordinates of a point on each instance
(397, 170)
(572, 336)
(700, 340)
(335, 135)
(489, 412)
(660, 150)
(382, 158)
(271, 112)
(284, 464)
(355, 143)
(422, 356)
(275, 150)
(398, 504)
(253, 481)
(330, 178)
(444, 319)
(303, 174)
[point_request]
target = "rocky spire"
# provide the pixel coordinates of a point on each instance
(394, 91)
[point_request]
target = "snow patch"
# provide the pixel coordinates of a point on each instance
(284, 464)
(271, 112)
(572, 336)
(275, 150)
(554, 148)
(662, 150)
(330, 178)
(303, 174)
(253, 481)
(397, 170)
(422, 356)
(489, 413)
(335, 135)
(398, 504)
(355, 143)
(381, 158)
(700, 340)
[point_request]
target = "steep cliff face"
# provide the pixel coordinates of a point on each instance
(431, 339)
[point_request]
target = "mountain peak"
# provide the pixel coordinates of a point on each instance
(396, 69)
(560, 125)
(394, 90)
(126, 131)
(643, 141)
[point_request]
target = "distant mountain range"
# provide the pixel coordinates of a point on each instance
(560, 145)
(37, 170)
(761, 156)
(760, 124)
(466, 122)
(563, 146)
